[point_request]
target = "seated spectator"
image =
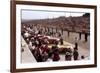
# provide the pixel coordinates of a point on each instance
(44, 56)
(68, 56)
(55, 53)
(27, 40)
(38, 55)
(30, 45)
(26, 35)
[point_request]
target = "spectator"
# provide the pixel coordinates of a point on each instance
(76, 46)
(86, 36)
(44, 56)
(80, 36)
(61, 41)
(55, 54)
(68, 56)
(75, 54)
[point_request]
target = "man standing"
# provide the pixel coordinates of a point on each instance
(75, 54)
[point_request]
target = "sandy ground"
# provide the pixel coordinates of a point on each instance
(71, 39)
(84, 47)
(26, 55)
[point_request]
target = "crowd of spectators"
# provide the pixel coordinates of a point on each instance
(38, 44)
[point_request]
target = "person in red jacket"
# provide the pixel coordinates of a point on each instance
(55, 54)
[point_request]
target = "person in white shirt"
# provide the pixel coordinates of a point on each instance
(26, 34)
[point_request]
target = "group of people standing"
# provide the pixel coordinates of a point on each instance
(40, 50)
(72, 54)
